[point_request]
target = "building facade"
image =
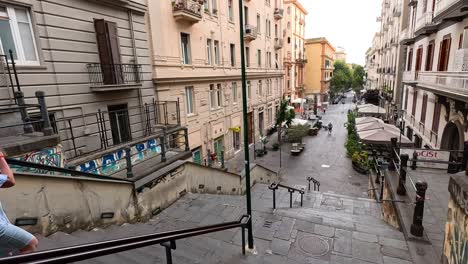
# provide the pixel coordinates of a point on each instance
(294, 50)
(92, 61)
(340, 54)
(372, 64)
(318, 70)
(197, 61)
(435, 78)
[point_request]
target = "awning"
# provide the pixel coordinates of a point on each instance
(367, 119)
(376, 125)
(383, 136)
(298, 101)
(371, 109)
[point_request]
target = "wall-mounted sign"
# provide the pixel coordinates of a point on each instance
(429, 155)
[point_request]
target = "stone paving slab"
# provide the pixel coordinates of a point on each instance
(297, 235)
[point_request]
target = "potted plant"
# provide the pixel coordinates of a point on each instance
(275, 146)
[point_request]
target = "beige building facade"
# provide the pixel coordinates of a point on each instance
(340, 54)
(294, 49)
(318, 70)
(435, 76)
(372, 64)
(197, 61)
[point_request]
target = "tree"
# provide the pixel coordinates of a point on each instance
(358, 77)
(297, 132)
(342, 77)
(283, 117)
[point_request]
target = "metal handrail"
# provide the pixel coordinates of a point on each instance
(92, 250)
(61, 170)
(316, 183)
(291, 190)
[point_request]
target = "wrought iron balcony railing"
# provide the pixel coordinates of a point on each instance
(114, 74)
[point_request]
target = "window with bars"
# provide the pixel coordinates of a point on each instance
(189, 98)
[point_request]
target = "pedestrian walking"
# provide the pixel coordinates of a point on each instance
(13, 239)
(330, 127)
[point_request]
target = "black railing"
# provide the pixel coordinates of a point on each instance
(114, 74)
(291, 190)
(93, 250)
(45, 169)
(84, 134)
(316, 183)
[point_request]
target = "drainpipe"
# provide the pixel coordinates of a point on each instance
(135, 61)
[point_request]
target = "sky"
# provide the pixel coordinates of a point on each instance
(350, 24)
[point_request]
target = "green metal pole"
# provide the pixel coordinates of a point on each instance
(246, 132)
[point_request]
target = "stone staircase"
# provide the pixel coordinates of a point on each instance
(329, 228)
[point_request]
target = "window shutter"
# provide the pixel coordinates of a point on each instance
(439, 63)
(423, 110)
(447, 53)
(415, 101)
(436, 118)
(109, 52)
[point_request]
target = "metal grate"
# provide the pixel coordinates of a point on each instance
(267, 224)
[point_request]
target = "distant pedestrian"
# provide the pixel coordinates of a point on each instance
(330, 127)
(12, 238)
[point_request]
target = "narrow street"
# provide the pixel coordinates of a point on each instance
(324, 158)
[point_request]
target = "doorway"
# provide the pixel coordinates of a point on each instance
(260, 123)
(250, 126)
(120, 123)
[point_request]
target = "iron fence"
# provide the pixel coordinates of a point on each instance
(84, 134)
(114, 74)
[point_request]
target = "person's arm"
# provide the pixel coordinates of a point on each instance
(6, 171)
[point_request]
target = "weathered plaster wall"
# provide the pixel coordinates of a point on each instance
(67, 204)
(456, 228)
(64, 203)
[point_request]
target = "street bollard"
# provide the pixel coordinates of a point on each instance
(302, 196)
(128, 158)
(417, 225)
(47, 128)
(401, 190)
(413, 162)
(27, 128)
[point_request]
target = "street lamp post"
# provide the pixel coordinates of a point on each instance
(246, 133)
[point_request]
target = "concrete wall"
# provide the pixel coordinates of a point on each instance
(63, 203)
(67, 204)
(389, 213)
(456, 228)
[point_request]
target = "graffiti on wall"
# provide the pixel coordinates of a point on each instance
(456, 228)
(49, 156)
(115, 161)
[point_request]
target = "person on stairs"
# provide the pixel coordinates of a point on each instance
(13, 239)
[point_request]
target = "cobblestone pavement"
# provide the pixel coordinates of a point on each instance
(324, 158)
(329, 228)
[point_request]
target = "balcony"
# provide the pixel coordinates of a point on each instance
(407, 36)
(409, 77)
(250, 32)
(114, 77)
(450, 9)
(187, 10)
(446, 83)
(278, 43)
(425, 25)
(278, 13)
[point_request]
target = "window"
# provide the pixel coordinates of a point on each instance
(269, 87)
(212, 96)
(216, 52)
(436, 117)
(219, 97)
(430, 56)
(289, 25)
(214, 7)
(185, 42)
(444, 53)
(258, 24)
(289, 40)
(208, 51)
(234, 92)
(16, 33)
(270, 116)
(406, 97)
(276, 61)
(259, 58)
(460, 41)
(120, 123)
(233, 54)
(246, 15)
(236, 140)
(206, 6)
(249, 90)
(276, 30)
(230, 11)
(415, 101)
(247, 56)
(289, 10)
(423, 110)
(410, 59)
(197, 156)
(189, 99)
(260, 88)
(419, 53)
